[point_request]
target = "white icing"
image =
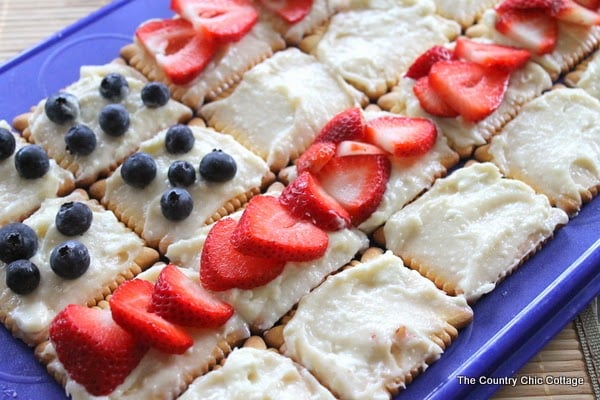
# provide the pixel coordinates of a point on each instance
(281, 105)
(144, 122)
(142, 206)
(257, 374)
(463, 11)
(371, 48)
(320, 11)
(472, 228)
(112, 247)
(19, 196)
(589, 78)
(553, 144)
(365, 329)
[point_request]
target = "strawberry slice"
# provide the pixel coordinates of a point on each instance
(130, 304)
(402, 136)
(357, 183)
(491, 55)
(346, 125)
(421, 66)
(268, 229)
(224, 20)
(571, 11)
(305, 198)
(474, 91)
(179, 50)
(315, 157)
(545, 5)
(180, 300)
(86, 338)
(590, 4)
(533, 29)
(354, 148)
(430, 101)
(222, 267)
(291, 11)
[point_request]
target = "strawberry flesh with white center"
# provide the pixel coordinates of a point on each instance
(421, 66)
(402, 136)
(355, 148)
(291, 11)
(491, 55)
(430, 101)
(315, 157)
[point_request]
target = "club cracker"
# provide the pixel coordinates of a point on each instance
(465, 12)
(585, 75)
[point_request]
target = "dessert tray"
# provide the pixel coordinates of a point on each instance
(510, 324)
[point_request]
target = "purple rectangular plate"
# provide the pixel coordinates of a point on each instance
(511, 324)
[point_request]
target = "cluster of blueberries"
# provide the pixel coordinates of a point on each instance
(31, 161)
(69, 260)
(139, 170)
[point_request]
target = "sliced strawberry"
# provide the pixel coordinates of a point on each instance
(86, 338)
(130, 304)
(533, 29)
(222, 267)
(224, 20)
(291, 11)
(305, 198)
(590, 4)
(357, 183)
(430, 101)
(354, 148)
(545, 5)
(180, 300)
(180, 51)
(474, 91)
(421, 66)
(491, 55)
(347, 125)
(571, 11)
(268, 229)
(402, 136)
(315, 157)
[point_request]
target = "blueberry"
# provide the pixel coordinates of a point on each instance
(176, 204)
(114, 87)
(7, 144)
(22, 276)
(32, 162)
(73, 218)
(179, 139)
(181, 173)
(70, 259)
(155, 94)
(80, 140)
(114, 119)
(218, 166)
(61, 107)
(17, 241)
(139, 170)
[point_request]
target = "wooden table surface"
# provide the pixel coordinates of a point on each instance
(24, 23)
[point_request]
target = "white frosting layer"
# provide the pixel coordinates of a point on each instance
(373, 47)
(281, 105)
(19, 197)
(112, 247)
(320, 11)
(161, 375)
(142, 206)
(257, 374)
(263, 306)
(589, 78)
(472, 228)
(465, 12)
(553, 144)
(144, 123)
(366, 329)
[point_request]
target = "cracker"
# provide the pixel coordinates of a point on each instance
(465, 12)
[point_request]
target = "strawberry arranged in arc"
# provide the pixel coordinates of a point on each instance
(402, 136)
(315, 157)
(431, 101)
(421, 66)
(355, 148)
(291, 11)
(346, 125)
(491, 55)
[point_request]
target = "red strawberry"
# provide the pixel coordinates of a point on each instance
(180, 51)
(570, 11)
(347, 125)
(268, 229)
(291, 11)
(130, 304)
(222, 267)
(224, 20)
(421, 66)
(305, 198)
(86, 338)
(402, 136)
(591, 4)
(357, 183)
(491, 55)
(545, 5)
(180, 300)
(474, 91)
(430, 101)
(354, 148)
(533, 29)
(315, 157)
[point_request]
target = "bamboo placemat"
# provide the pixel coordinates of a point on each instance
(24, 23)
